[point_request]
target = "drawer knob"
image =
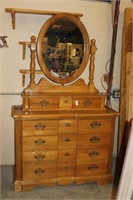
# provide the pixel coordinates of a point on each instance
(65, 101)
(95, 124)
(93, 167)
(39, 157)
(40, 141)
(68, 124)
(67, 154)
(95, 139)
(39, 171)
(40, 126)
(87, 102)
(93, 154)
(67, 140)
(44, 103)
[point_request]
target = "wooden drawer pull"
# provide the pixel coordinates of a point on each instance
(44, 103)
(67, 154)
(39, 171)
(95, 124)
(40, 141)
(67, 140)
(68, 125)
(93, 154)
(93, 167)
(87, 102)
(95, 139)
(40, 126)
(39, 157)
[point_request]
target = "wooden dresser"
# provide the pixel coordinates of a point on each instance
(64, 134)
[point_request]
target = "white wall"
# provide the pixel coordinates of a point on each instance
(97, 19)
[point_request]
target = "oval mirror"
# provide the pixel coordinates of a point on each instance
(63, 48)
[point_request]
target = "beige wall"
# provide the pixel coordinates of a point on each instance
(97, 19)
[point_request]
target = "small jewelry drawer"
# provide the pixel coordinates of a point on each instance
(85, 170)
(39, 143)
(89, 155)
(94, 140)
(65, 102)
(39, 127)
(66, 155)
(39, 156)
(67, 126)
(67, 142)
(43, 102)
(33, 171)
(87, 102)
(97, 125)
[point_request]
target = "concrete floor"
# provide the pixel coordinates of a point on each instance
(71, 192)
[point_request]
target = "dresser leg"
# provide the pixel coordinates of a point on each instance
(17, 186)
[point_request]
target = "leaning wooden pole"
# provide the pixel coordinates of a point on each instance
(113, 50)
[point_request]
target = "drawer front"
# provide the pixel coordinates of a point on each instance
(67, 142)
(65, 102)
(40, 127)
(39, 143)
(39, 172)
(94, 140)
(91, 170)
(44, 102)
(91, 155)
(67, 126)
(86, 102)
(95, 126)
(66, 169)
(66, 155)
(39, 156)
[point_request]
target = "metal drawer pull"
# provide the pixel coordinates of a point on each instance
(93, 154)
(40, 126)
(93, 167)
(39, 171)
(87, 102)
(44, 103)
(65, 101)
(39, 157)
(95, 124)
(67, 154)
(40, 141)
(68, 124)
(67, 140)
(95, 139)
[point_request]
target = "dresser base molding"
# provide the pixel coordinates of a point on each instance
(29, 185)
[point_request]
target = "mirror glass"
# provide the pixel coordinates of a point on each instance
(61, 48)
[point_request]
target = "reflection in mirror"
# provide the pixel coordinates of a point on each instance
(62, 48)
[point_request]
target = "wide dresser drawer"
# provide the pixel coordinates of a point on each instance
(39, 172)
(93, 155)
(39, 143)
(93, 140)
(39, 127)
(39, 155)
(85, 170)
(43, 102)
(97, 125)
(88, 102)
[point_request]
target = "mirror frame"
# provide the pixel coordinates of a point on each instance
(86, 44)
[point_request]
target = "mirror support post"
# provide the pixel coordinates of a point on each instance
(91, 85)
(32, 62)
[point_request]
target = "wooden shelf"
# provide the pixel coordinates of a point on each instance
(13, 11)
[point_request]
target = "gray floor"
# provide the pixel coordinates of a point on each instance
(71, 192)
